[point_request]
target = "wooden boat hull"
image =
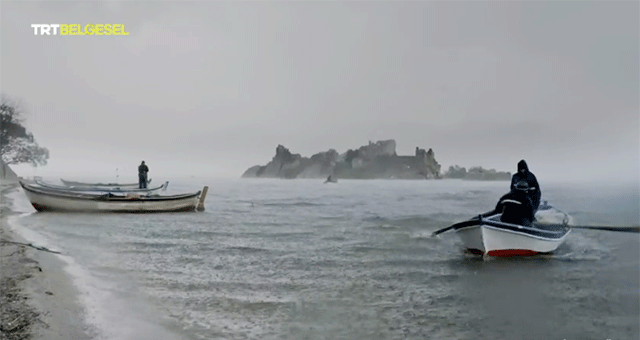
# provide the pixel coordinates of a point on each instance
(84, 184)
(495, 241)
(506, 239)
(49, 200)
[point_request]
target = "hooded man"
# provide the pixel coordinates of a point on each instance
(517, 207)
(524, 175)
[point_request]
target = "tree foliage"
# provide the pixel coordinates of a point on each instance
(351, 155)
(17, 145)
(456, 172)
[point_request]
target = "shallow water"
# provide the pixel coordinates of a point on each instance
(274, 259)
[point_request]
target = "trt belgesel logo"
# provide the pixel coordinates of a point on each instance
(77, 29)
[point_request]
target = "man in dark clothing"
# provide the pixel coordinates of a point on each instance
(143, 169)
(527, 176)
(516, 207)
(520, 205)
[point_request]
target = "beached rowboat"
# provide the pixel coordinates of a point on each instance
(84, 184)
(492, 237)
(57, 200)
(113, 189)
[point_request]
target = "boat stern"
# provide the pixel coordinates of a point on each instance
(493, 241)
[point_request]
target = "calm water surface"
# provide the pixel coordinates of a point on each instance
(273, 259)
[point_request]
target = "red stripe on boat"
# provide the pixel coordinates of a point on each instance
(511, 252)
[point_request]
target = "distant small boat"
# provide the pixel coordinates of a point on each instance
(114, 189)
(84, 184)
(330, 179)
(43, 199)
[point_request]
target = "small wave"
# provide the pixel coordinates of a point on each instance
(334, 238)
(36, 238)
(336, 217)
(232, 211)
(384, 227)
(479, 192)
(274, 234)
(571, 257)
(375, 219)
(207, 234)
(246, 249)
(458, 197)
(152, 245)
(292, 204)
(410, 221)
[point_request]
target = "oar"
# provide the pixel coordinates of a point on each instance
(629, 229)
(457, 226)
(479, 220)
(473, 221)
(487, 214)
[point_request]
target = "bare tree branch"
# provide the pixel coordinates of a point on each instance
(17, 145)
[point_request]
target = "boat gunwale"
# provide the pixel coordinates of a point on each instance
(109, 197)
(520, 232)
(83, 184)
(538, 233)
(49, 186)
(186, 208)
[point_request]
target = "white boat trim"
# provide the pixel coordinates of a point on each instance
(114, 189)
(84, 184)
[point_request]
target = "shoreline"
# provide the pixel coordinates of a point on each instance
(38, 299)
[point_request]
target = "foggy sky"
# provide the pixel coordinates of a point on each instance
(211, 88)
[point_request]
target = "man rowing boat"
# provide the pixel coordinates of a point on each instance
(516, 206)
(520, 205)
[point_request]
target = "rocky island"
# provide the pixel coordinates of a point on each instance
(377, 160)
(374, 161)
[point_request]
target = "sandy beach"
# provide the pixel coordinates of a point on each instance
(37, 297)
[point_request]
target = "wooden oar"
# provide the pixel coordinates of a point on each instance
(479, 220)
(487, 214)
(473, 221)
(458, 226)
(628, 229)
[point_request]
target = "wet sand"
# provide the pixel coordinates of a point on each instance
(37, 297)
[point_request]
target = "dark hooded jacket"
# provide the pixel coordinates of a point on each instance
(534, 193)
(143, 169)
(518, 213)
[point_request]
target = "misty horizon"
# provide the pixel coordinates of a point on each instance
(211, 88)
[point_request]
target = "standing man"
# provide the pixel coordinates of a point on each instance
(143, 169)
(524, 175)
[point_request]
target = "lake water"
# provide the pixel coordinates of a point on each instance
(299, 259)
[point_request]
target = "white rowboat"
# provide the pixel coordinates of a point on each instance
(493, 237)
(58, 200)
